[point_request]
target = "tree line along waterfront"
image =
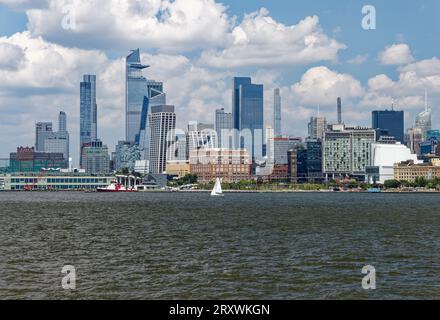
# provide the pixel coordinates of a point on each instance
(190, 181)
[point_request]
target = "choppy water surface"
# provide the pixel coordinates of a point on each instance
(245, 246)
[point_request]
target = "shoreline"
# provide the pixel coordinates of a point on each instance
(236, 191)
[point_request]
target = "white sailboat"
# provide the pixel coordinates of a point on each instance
(217, 191)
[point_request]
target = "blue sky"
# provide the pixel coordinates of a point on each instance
(197, 59)
(417, 21)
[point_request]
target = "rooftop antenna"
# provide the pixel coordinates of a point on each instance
(426, 99)
(318, 110)
(392, 105)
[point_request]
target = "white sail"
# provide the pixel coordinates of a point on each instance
(217, 188)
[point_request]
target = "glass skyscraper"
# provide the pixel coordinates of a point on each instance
(58, 142)
(391, 121)
(141, 95)
(88, 111)
(424, 122)
(223, 124)
(43, 131)
(96, 159)
(136, 90)
(237, 82)
(162, 147)
(248, 114)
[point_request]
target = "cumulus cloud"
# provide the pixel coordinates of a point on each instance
(396, 54)
(424, 68)
(407, 92)
(322, 86)
(259, 40)
(121, 24)
(11, 56)
(42, 65)
(48, 81)
(44, 75)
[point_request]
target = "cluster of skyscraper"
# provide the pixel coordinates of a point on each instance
(152, 143)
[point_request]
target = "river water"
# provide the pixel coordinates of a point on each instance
(241, 246)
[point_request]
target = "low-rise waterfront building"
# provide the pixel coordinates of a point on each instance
(386, 155)
(230, 165)
(54, 181)
(178, 168)
(410, 171)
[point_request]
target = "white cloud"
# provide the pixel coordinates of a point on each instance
(322, 86)
(44, 65)
(11, 56)
(359, 59)
(407, 92)
(261, 41)
(396, 54)
(44, 74)
(122, 24)
(48, 81)
(424, 68)
(24, 4)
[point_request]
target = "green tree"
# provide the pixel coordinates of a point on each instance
(421, 182)
(392, 184)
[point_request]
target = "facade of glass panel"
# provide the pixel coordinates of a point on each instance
(136, 90)
(252, 119)
(88, 111)
(141, 95)
(282, 147)
(223, 122)
(347, 151)
(162, 147)
(391, 121)
(237, 82)
(96, 159)
(424, 122)
(314, 157)
(126, 155)
(43, 130)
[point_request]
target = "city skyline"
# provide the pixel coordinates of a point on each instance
(401, 70)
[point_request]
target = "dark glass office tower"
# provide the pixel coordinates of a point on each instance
(88, 111)
(391, 121)
(237, 82)
(248, 114)
(314, 157)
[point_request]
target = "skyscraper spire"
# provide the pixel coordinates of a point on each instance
(426, 99)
